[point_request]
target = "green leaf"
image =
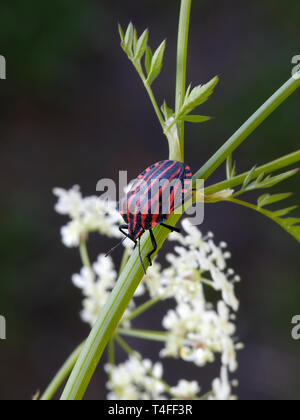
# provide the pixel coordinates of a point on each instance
(197, 96)
(230, 168)
(249, 178)
(128, 41)
(141, 45)
(267, 199)
(196, 118)
(121, 32)
(188, 92)
(285, 212)
(262, 183)
(260, 178)
(168, 113)
(156, 63)
(272, 181)
(135, 39)
(148, 60)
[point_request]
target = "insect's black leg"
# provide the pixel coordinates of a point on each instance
(153, 240)
(121, 229)
(171, 228)
(141, 258)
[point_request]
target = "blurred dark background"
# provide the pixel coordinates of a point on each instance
(73, 110)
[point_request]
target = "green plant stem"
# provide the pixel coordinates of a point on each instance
(182, 51)
(61, 375)
(143, 308)
(155, 105)
(247, 128)
(85, 256)
(174, 144)
(144, 334)
(111, 315)
(150, 93)
(111, 352)
(274, 166)
(124, 261)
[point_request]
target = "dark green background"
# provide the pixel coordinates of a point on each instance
(73, 110)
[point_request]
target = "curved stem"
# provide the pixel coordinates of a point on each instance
(61, 375)
(182, 50)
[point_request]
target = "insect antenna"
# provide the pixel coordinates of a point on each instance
(141, 259)
(115, 247)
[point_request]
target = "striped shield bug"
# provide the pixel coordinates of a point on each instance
(155, 194)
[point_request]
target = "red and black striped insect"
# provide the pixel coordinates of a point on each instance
(155, 194)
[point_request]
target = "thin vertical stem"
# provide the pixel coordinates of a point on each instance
(182, 51)
(85, 256)
(111, 352)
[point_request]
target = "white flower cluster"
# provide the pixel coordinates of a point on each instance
(136, 379)
(90, 214)
(140, 379)
(197, 261)
(96, 285)
(198, 331)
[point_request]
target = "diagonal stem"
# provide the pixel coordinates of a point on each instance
(247, 128)
(61, 375)
(160, 336)
(273, 166)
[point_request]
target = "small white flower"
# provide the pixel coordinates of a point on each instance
(69, 202)
(222, 387)
(186, 390)
(71, 234)
(197, 333)
(136, 379)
